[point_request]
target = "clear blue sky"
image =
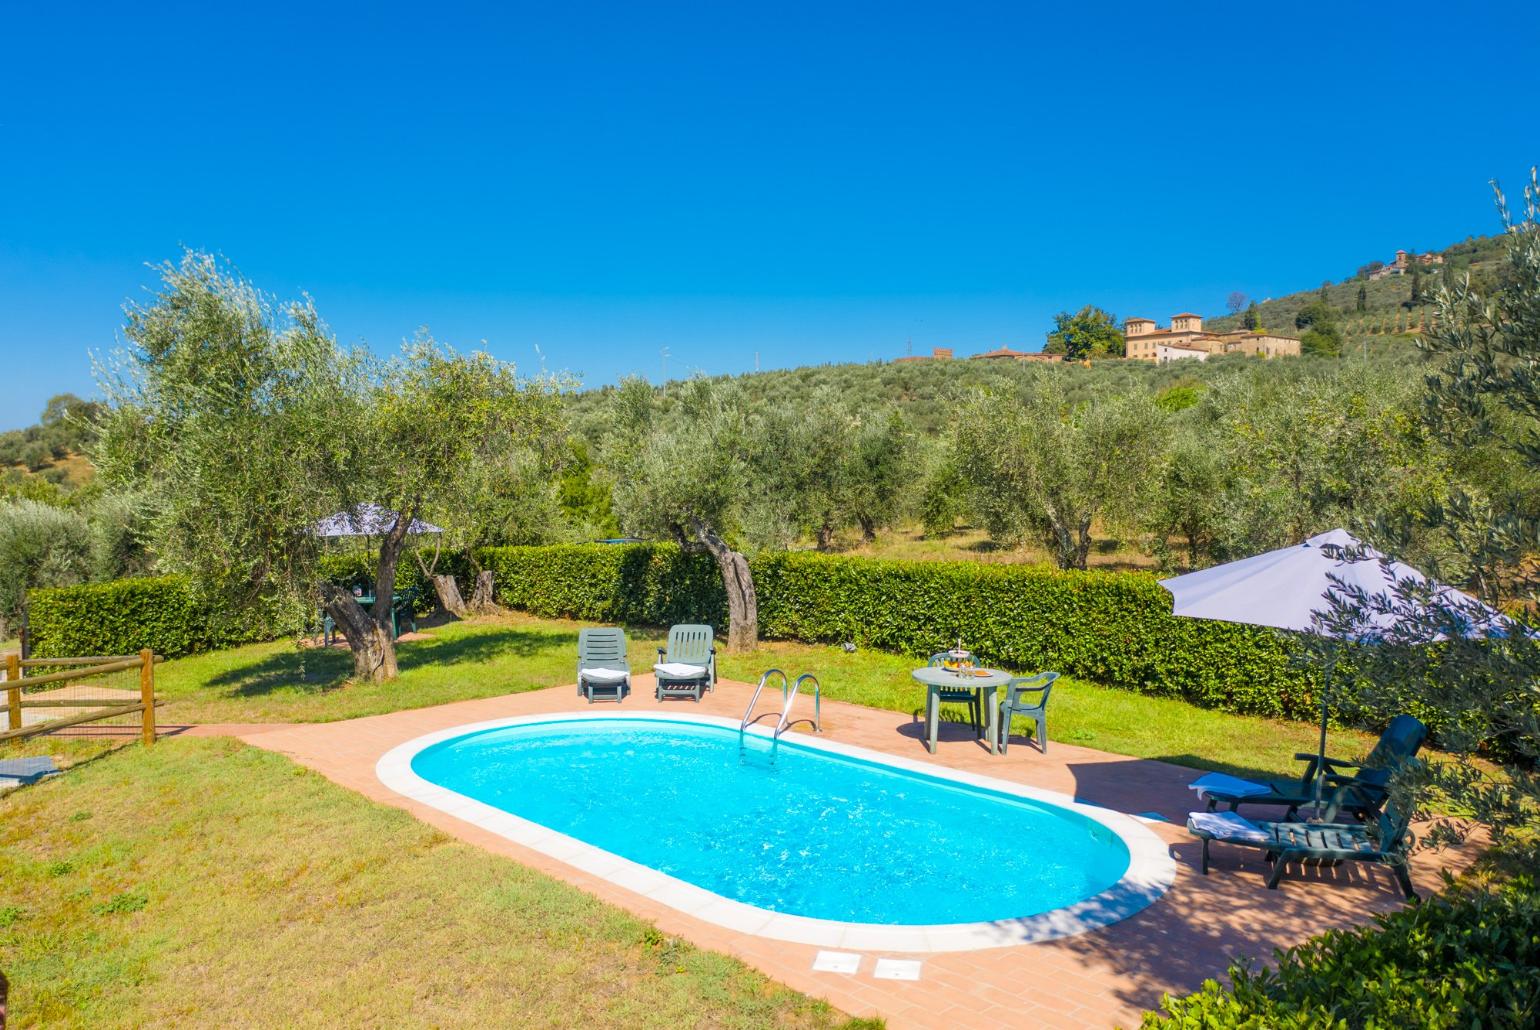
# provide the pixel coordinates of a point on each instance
(810, 183)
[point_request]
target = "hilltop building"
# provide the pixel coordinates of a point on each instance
(1187, 339)
(1007, 354)
(1403, 264)
(936, 354)
(998, 354)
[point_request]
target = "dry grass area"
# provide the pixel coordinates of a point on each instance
(207, 883)
(909, 543)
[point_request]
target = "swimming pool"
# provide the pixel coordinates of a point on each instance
(826, 844)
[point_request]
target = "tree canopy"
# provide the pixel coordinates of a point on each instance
(246, 424)
(1088, 333)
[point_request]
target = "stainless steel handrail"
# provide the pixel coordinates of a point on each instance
(749, 711)
(780, 727)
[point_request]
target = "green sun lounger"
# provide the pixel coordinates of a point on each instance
(602, 668)
(688, 666)
(1283, 842)
(1360, 794)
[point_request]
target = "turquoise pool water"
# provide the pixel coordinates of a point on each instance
(814, 834)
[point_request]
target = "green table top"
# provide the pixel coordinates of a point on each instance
(936, 676)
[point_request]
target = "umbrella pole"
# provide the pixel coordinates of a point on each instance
(1320, 763)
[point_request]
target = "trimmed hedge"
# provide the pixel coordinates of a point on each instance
(647, 584)
(164, 613)
(1112, 627)
(1466, 960)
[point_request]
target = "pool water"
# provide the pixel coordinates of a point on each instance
(813, 833)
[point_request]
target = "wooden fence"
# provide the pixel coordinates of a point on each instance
(72, 673)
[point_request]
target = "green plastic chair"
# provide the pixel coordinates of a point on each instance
(1360, 794)
(1329, 842)
(961, 696)
(688, 645)
(1014, 704)
(602, 667)
(403, 611)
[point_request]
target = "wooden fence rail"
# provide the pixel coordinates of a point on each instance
(102, 708)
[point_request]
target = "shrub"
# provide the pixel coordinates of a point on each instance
(40, 546)
(1112, 627)
(164, 613)
(119, 535)
(648, 584)
(1465, 960)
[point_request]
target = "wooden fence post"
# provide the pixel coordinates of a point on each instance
(147, 693)
(13, 695)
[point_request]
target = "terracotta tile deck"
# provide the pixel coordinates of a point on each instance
(1098, 979)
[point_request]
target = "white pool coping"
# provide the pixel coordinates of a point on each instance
(1151, 869)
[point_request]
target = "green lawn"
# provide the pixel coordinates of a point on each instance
(203, 882)
(1078, 713)
(277, 682)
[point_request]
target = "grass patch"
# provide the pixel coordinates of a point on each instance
(277, 682)
(214, 884)
(1079, 712)
(280, 682)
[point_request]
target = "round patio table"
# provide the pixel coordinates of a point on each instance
(937, 679)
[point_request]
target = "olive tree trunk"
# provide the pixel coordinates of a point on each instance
(742, 602)
(482, 601)
(368, 633)
(374, 652)
(449, 598)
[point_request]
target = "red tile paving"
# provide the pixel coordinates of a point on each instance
(1102, 978)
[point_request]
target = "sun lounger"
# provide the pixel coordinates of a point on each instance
(602, 665)
(687, 667)
(1360, 794)
(1285, 842)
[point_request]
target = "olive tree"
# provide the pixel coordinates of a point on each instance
(830, 463)
(1484, 386)
(1039, 466)
(684, 468)
(246, 424)
(40, 546)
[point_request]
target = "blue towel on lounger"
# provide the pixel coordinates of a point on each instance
(1230, 786)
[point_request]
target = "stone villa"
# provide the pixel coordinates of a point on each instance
(1188, 339)
(1403, 263)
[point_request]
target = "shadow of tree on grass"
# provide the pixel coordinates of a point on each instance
(318, 670)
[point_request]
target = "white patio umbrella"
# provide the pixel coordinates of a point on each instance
(1286, 589)
(367, 520)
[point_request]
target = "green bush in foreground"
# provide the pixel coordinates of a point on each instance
(1470, 959)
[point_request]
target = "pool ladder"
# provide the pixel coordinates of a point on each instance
(789, 691)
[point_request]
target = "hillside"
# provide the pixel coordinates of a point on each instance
(46, 460)
(928, 392)
(1387, 308)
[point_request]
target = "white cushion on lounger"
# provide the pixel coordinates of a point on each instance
(1228, 826)
(680, 670)
(605, 675)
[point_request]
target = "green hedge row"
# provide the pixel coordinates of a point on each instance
(1114, 628)
(164, 613)
(1111, 627)
(167, 614)
(1466, 960)
(648, 584)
